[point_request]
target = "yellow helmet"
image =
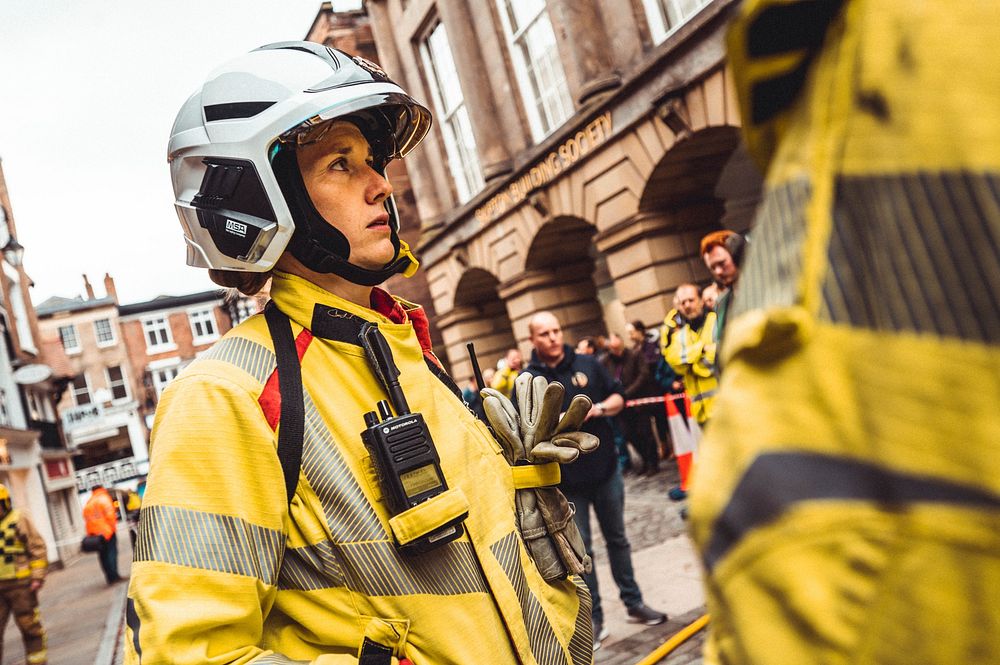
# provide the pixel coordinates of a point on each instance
(4, 498)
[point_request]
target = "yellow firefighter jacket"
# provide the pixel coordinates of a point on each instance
(691, 353)
(225, 572)
(847, 501)
(23, 555)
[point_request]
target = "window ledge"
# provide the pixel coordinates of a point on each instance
(160, 348)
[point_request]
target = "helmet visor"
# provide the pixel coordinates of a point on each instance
(396, 122)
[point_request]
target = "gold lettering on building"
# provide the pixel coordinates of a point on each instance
(570, 151)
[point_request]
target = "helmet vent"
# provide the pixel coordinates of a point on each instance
(233, 110)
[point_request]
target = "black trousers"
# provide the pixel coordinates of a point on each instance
(638, 431)
(109, 559)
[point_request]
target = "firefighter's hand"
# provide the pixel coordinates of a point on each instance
(36, 584)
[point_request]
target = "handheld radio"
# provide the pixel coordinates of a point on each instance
(406, 460)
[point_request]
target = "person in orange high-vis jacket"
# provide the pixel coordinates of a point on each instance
(101, 519)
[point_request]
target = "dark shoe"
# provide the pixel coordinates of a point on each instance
(677, 494)
(642, 614)
(600, 634)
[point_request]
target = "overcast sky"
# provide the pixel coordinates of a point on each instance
(88, 93)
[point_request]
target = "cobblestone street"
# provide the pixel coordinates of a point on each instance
(665, 567)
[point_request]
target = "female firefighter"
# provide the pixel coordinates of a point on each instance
(268, 534)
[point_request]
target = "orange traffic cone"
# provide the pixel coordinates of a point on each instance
(686, 435)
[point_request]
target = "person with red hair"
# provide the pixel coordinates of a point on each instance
(722, 252)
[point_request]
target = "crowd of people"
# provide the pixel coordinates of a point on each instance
(677, 361)
(680, 356)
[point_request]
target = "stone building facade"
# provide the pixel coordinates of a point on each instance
(581, 149)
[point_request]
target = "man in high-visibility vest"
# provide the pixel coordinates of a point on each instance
(691, 351)
(102, 520)
(504, 378)
(23, 563)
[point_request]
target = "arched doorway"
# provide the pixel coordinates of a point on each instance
(559, 270)
(705, 181)
(478, 316)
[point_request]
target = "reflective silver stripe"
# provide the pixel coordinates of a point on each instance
(254, 359)
(773, 266)
(221, 543)
(704, 395)
(904, 244)
(376, 569)
(544, 644)
(581, 645)
(311, 568)
(277, 659)
(348, 513)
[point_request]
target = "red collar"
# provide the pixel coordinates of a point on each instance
(392, 309)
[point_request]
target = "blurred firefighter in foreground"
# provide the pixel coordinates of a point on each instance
(847, 503)
(23, 563)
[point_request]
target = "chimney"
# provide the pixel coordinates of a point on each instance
(90, 289)
(109, 287)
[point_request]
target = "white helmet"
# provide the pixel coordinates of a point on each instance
(239, 193)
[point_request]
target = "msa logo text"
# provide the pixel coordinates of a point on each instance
(236, 228)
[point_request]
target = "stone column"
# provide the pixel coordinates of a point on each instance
(622, 29)
(486, 325)
(507, 114)
(650, 254)
(494, 155)
(569, 294)
(420, 167)
(583, 48)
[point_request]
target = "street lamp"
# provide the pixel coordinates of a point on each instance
(13, 251)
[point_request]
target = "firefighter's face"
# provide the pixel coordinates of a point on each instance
(349, 193)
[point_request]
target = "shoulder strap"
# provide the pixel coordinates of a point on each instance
(292, 428)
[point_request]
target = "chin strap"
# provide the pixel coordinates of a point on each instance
(315, 256)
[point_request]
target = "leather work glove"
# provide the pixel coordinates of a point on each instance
(535, 435)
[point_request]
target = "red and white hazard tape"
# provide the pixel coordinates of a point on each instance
(660, 399)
